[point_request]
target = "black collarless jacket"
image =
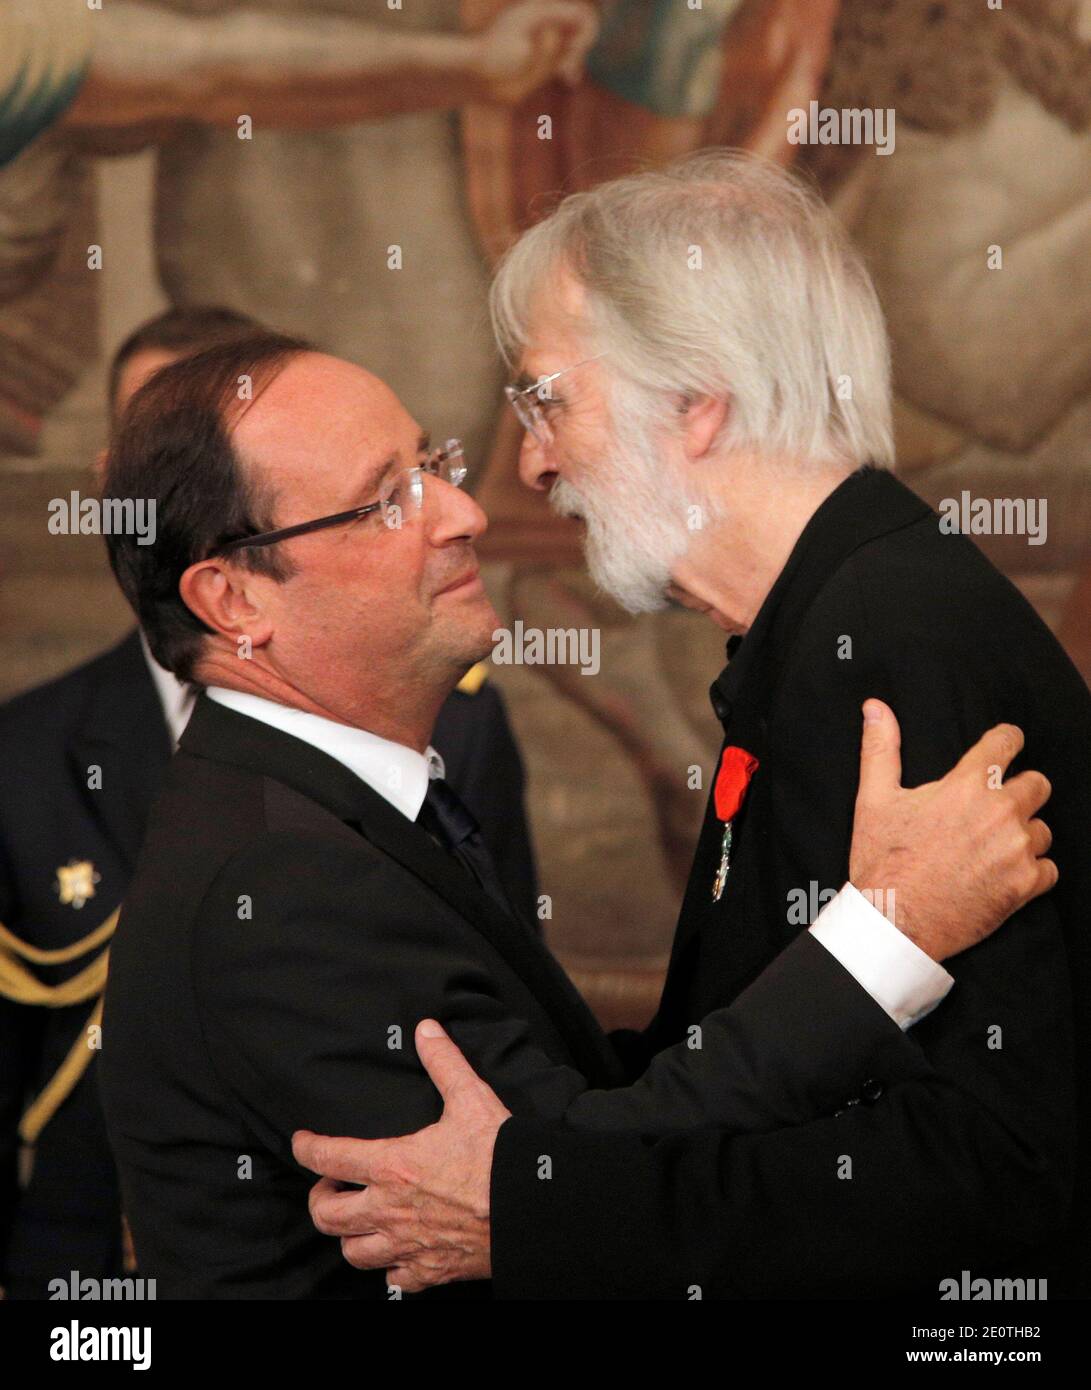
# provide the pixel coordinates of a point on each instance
(975, 1156)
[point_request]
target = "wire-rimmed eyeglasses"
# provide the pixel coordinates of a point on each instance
(402, 496)
(526, 401)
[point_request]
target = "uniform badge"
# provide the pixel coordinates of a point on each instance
(737, 766)
(76, 881)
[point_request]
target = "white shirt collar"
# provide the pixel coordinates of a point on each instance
(399, 774)
(176, 698)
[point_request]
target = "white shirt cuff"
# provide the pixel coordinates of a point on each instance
(903, 981)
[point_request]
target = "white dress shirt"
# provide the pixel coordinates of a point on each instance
(903, 981)
(399, 774)
(176, 697)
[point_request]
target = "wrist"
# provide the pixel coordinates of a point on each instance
(895, 901)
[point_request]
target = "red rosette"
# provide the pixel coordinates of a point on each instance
(737, 766)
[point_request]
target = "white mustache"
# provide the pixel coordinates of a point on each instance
(565, 500)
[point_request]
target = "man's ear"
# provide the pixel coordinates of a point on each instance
(226, 600)
(701, 418)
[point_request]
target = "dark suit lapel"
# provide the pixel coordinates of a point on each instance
(224, 735)
(512, 939)
(124, 734)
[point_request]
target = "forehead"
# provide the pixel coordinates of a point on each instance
(320, 416)
(555, 322)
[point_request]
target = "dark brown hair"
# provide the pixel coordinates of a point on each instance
(173, 448)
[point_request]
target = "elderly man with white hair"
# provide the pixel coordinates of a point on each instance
(705, 381)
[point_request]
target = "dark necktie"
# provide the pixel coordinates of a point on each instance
(447, 820)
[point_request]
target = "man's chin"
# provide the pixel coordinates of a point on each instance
(472, 632)
(632, 594)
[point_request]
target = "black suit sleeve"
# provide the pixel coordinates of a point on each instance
(788, 1049)
(309, 1004)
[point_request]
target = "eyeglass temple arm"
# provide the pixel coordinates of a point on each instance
(271, 537)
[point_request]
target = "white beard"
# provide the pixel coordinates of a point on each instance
(636, 518)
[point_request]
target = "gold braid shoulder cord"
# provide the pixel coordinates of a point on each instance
(21, 985)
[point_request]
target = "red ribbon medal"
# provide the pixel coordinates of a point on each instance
(737, 766)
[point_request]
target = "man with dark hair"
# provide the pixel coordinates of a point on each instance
(473, 734)
(68, 842)
(310, 885)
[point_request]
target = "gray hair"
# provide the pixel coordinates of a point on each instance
(721, 275)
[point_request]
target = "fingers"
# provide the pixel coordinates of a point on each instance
(1041, 837)
(400, 1278)
(1029, 791)
(571, 69)
(549, 45)
(1048, 874)
(995, 748)
(880, 752)
(577, 26)
(348, 1216)
(1039, 880)
(371, 1252)
(403, 1278)
(339, 1213)
(442, 1059)
(350, 1160)
(583, 37)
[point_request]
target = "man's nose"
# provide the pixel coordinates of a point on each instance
(455, 514)
(536, 469)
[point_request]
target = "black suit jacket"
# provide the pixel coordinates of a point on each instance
(285, 931)
(107, 714)
(973, 1153)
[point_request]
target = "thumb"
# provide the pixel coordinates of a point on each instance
(880, 752)
(442, 1059)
